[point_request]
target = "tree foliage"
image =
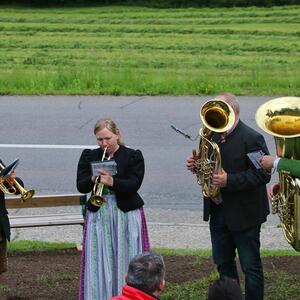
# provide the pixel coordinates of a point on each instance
(155, 3)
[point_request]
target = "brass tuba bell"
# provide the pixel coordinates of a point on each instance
(280, 117)
(216, 116)
(12, 186)
(96, 198)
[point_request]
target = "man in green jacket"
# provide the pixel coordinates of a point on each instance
(281, 164)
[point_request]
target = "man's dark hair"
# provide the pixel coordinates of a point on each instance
(146, 272)
(225, 288)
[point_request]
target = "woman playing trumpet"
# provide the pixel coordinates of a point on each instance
(115, 229)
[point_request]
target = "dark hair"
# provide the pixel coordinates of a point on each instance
(225, 288)
(146, 272)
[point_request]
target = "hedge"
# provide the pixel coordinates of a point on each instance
(155, 3)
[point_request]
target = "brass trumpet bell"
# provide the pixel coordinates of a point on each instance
(97, 200)
(280, 117)
(25, 195)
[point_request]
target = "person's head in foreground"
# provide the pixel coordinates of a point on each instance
(225, 288)
(145, 278)
(146, 272)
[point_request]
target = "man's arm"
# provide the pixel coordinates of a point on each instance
(289, 165)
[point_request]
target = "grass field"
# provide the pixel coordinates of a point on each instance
(138, 50)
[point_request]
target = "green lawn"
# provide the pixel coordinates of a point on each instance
(138, 50)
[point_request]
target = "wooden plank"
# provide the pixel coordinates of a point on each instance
(45, 201)
(45, 220)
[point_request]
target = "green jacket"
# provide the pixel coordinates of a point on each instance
(289, 165)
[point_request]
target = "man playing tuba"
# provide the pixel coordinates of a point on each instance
(237, 212)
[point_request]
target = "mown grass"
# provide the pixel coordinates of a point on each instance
(278, 284)
(137, 50)
(26, 245)
(4, 288)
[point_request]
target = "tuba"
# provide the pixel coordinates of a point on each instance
(216, 116)
(12, 186)
(96, 198)
(280, 117)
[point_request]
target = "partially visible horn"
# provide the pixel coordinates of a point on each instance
(280, 117)
(216, 116)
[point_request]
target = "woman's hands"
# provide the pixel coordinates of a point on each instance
(105, 178)
(11, 178)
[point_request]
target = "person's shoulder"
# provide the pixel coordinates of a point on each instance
(89, 153)
(134, 155)
(129, 150)
(248, 130)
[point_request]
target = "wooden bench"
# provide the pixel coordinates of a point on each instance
(47, 219)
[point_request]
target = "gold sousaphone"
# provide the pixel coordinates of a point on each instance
(280, 117)
(216, 116)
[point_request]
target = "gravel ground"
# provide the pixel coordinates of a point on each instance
(168, 228)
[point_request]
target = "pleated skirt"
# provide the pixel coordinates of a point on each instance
(111, 239)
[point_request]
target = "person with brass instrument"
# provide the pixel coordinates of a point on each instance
(115, 227)
(8, 183)
(280, 117)
(269, 162)
(240, 206)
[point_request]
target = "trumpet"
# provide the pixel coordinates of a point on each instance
(12, 186)
(96, 198)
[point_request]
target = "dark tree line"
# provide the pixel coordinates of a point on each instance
(155, 3)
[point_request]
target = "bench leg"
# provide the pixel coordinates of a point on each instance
(3, 253)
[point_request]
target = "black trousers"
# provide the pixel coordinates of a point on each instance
(3, 252)
(225, 244)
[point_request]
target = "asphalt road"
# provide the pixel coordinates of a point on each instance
(144, 123)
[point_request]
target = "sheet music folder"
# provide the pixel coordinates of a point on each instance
(6, 172)
(109, 166)
(255, 158)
